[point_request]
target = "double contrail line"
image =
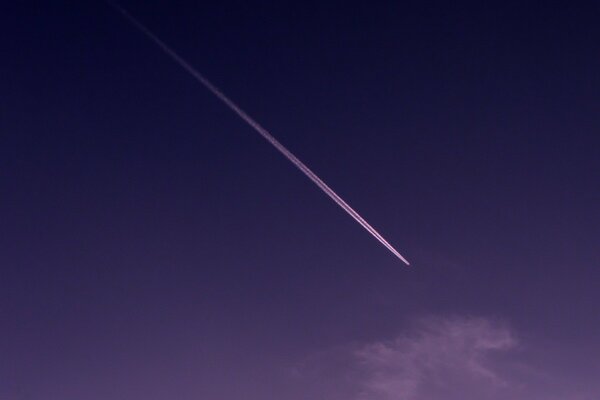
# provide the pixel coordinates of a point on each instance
(257, 127)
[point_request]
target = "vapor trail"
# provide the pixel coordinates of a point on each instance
(262, 131)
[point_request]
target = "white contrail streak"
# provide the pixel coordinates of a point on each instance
(262, 131)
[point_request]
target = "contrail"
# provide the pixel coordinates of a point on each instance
(257, 127)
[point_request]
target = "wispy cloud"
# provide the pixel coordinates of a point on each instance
(450, 358)
(438, 355)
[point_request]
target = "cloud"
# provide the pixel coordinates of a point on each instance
(437, 358)
(453, 358)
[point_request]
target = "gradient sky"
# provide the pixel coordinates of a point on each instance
(153, 246)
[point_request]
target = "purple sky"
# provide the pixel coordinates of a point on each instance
(153, 246)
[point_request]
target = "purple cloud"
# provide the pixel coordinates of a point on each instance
(437, 356)
(453, 358)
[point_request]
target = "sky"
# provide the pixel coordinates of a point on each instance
(153, 246)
